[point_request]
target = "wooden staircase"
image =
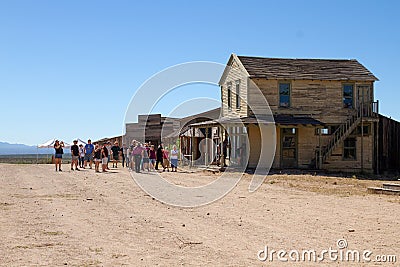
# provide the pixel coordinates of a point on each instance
(338, 136)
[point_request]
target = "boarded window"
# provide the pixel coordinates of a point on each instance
(229, 95)
(348, 94)
(284, 94)
(365, 130)
(238, 94)
(349, 149)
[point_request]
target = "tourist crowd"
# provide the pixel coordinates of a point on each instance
(137, 156)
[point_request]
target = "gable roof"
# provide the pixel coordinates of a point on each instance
(306, 69)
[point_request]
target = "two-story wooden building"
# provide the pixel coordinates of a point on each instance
(324, 110)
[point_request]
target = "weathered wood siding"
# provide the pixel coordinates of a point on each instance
(307, 142)
(277, 160)
(320, 99)
(255, 145)
(323, 100)
(336, 162)
(389, 145)
(234, 74)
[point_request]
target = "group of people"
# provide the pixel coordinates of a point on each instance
(145, 157)
(137, 156)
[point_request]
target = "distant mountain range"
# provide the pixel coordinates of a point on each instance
(13, 149)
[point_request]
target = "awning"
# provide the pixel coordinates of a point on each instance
(284, 120)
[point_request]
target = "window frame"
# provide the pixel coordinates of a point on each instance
(350, 148)
(237, 91)
(290, 94)
(330, 128)
(352, 95)
(229, 95)
(366, 130)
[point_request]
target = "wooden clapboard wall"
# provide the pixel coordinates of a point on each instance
(389, 145)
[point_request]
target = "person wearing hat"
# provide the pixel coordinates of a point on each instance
(75, 155)
(58, 146)
(116, 150)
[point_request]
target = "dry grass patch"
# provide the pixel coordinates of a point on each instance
(53, 233)
(91, 263)
(327, 185)
(48, 196)
(5, 205)
(43, 245)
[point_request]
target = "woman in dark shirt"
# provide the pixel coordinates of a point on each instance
(58, 147)
(104, 157)
(97, 157)
(152, 157)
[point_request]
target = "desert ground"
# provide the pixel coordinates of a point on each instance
(84, 218)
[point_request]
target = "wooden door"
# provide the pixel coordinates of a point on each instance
(364, 99)
(289, 147)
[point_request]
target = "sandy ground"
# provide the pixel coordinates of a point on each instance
(82, 218)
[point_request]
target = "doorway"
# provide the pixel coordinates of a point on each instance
(289, 147)
(364, 99)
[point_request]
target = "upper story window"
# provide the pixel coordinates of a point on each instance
(238, 94)
(229, 95)
(348, 95)
(284, 94)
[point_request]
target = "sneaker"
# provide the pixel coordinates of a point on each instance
(60, 170)
(77, 169)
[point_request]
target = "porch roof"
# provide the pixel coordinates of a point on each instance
(283, 120)
(296, 120)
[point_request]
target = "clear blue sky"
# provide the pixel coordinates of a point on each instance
(69, 68)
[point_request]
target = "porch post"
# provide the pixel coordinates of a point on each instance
(206, 151)
(377, 148)
(221, 147)
(320, 150)
(362, 131)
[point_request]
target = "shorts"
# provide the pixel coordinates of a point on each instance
(174, 163)
(116, 157)
(58, 156)
(75, 158)
(145, 160)
(152, 161)
(88, 157)
(104, 160)
(97, 160)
